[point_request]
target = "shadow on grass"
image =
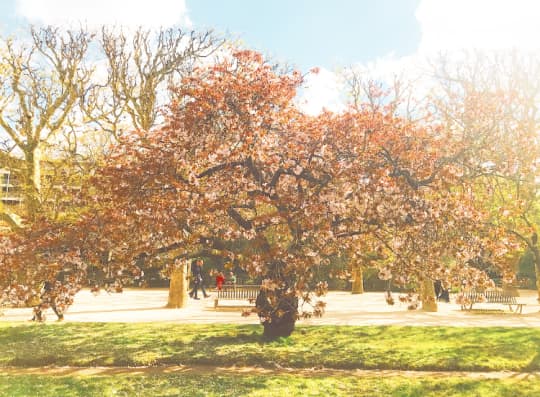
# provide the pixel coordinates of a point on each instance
(534, 365)
(186, 385)
(340, 347)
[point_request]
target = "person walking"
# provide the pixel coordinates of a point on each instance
(194, 279)
(198, 281)
(50, 296)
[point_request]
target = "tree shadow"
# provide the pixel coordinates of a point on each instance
(534, 364)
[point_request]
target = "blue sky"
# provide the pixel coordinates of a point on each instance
(311, 33)
(304, 33)
(307, 33)
(386, 36)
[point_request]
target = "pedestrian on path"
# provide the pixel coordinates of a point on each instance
(198, 280)
(56, 296)
(220, 279)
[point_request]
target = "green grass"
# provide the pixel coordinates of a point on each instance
(342, 347)
(267, 386)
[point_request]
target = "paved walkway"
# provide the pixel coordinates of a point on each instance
(147, 305)
(303, 372)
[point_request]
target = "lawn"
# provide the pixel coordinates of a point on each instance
(262, 386)
(340, 347)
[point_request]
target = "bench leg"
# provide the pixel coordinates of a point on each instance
(215, 303)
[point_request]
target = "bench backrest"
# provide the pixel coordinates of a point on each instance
(490, 296)
(239, 292)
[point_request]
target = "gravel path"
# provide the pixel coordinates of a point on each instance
(343, 308)
(239, 371)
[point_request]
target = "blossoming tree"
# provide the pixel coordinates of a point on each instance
(238, 161)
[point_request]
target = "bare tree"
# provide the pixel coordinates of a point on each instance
(44, 79)
(399, 95)
(140, 65)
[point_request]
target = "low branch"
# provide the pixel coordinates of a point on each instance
(220, 167)
(239, 219)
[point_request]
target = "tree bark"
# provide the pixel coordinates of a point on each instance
(358, 280)
(178, 294)
(33, 183)
(536, 256)
(427, 295)
(13, 220)
(277, 312)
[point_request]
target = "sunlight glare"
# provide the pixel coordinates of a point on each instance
(479, 24)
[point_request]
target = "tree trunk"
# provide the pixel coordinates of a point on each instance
(358, 280)
(32, 188)
(536, 255)
(178, 294)
(13, 220)
(427, 295)
(277, 312)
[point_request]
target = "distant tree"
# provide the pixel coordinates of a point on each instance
(492, 101)
(41, 86)
(140, 67)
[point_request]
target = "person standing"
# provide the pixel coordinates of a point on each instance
(220, 279)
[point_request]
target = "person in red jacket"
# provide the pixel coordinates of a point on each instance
(220, 279)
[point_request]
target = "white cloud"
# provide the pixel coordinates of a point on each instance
(481, 24)
(390, 68)
(328, 90)
(322, 90)
(446, 25)
(449, 26)
(129, 13)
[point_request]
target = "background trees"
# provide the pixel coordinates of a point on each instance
(41, 86)
(492, 101)
(60, 118)
(140, 67)
(61, 105)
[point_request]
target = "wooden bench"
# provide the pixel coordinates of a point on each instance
(237, 292)
(504, 297)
